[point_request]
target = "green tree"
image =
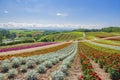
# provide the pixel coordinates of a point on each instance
(1, 37)
(13, 36)
(28, 35)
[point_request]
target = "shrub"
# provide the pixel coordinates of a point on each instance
(64, 68)
(23, 68)
(12, 73)
(58, 75)
(115, 74)
(31, 75)
(2, 76)
(5, 67)
(15, 62)
(22, 61)
(106, 68)
(48, 64)
(41, 69)
(101, 63)
(68, 64)
(37, 61)
(61, 58)
(96, 60)
(5, 61)
(30, 64)
(54, 61)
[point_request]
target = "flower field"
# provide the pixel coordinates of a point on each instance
(25, 46)
(108, 61)
(69, 61)
(37, 52)
(34, 66)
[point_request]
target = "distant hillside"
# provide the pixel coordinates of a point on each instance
(107, 29)
(111, 29)
(63, 36)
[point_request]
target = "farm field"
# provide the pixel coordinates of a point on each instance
(93, 35)
(104, 38)
(63, 36)
(25, 46)
(69, 61)
(70, 55)
(59, 39)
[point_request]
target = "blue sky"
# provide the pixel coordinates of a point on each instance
(84, 12)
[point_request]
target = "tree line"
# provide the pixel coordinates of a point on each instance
(9, 38)
(5, 34)
(107, 29)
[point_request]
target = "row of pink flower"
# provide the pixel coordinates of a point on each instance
(26, 46)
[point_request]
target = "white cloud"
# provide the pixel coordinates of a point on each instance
(5, 11)
(61, 14)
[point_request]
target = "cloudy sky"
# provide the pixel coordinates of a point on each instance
(60, 13)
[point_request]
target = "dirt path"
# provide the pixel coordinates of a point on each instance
(75, 70)
(102, 74)
(30, 50)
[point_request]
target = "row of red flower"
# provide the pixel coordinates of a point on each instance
(110, 62)
(25, 46)
(87, 68)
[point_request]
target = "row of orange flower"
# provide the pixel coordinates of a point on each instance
(110, 62)
(87, 68)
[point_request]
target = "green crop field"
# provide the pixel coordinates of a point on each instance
(60, 55)
(63, 36)
(92, 35)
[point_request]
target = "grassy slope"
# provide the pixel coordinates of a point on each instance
(92, 35)
(96, 36)
(64, 36)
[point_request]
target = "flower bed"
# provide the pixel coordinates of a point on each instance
(87, 68)
(32, 67)
(110, 62)
(38, 52)
(25, 46)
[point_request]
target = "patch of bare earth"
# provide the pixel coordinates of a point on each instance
(102, 74)
(75, 71)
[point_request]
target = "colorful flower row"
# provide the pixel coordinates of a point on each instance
(38, 52)
(32, 67)
(110, 62)
(87, 68)
(25, 46)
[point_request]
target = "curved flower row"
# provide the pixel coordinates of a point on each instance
(38, 52)
(38, 63)
(25, 46)
(66, 64)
